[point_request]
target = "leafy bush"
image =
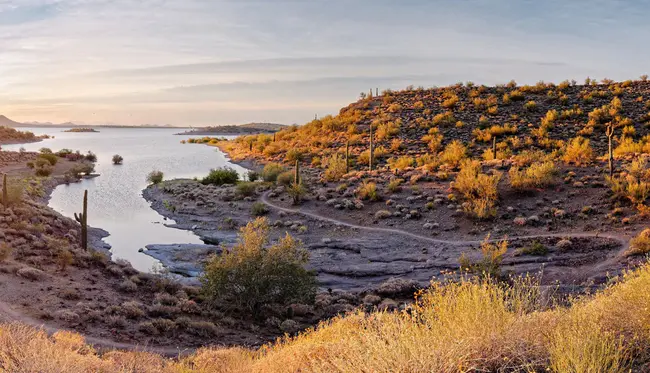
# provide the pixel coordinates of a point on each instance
(491, 258)
(221, 176)
(271, 172)
(478, 190)
(368, 191)
(253, 274)
(578, 151)
(44, 171)
(259, 209)
(334, 167)
(155, 177)
(49, 157)
(91, 157)
(117, 159)
(286, 178)
(297, 192)
(640, 244)
(537, 175)
(252, 176)
(246, 189)
(454, 153)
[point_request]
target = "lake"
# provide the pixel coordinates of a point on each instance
(115, 201)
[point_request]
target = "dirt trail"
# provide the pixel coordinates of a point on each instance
(621, 239)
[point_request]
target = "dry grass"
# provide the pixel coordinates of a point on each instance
(472, 325)
(478, 190)
(578, 152)
(537, 175)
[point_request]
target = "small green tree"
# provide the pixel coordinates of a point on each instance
(254, 273)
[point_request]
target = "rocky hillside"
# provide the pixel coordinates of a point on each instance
(418, 121)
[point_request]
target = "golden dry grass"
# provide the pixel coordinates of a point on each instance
(466, 326)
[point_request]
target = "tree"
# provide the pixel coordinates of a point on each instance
(252, 273)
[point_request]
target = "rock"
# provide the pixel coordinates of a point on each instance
(387, 305)
(397, 286)
(371, 300)
(520, 221)
(564, 244)
(289, 326)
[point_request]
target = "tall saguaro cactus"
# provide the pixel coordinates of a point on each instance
(82, 218)
(371, 149)
(610, 134)
(297, 172)
(347, 157)
(5, 197)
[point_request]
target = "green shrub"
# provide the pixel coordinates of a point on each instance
(155, 177)
(246, 189)
(535, 249)
(253, 274)
(49, 157)
(117, 159)
(253, 176)
(368, 191)
(334, 167)
(44, 171)
(91, 157)
(286, 178)
(259, 209)
(297, 192)
(221, 176)
(271, 171)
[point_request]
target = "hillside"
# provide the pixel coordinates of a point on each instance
(241, 129)
(10, 135)
(6, 122)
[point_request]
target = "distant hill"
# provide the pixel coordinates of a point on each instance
(6, 122)
(241, 129)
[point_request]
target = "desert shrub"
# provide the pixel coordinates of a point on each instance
(478, 190)
(450, 102)
(444, 119)
(535, 249)
(537, 175)
(252, 176)
(164, 326)
(433, 139)
(487, 134)
(147, 328)
(91, 157)
(128, 286)
(246, 189)
(491, 257)
(132, 309)
(297, 192)
(259, 209)
(155, 177)
(64, 258)
(44, 171)
(395, 185)
(578, 151)
(454, 153)
(5, 251)
(368, 191)
(530, 106)
(383, 214)
(49, 157)
(401, 163)
(221, 176)
(252, 273)
(117, 159)
(205, 329)
(271, 171)
(293, 155)
(640, 244)
(334, 167)
(286, 178)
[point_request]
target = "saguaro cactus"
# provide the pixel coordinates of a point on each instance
(610, 134)
(82, 218)
(5, 197)
(377, 92)
(297, 172)
(371, 150)
(347, 157)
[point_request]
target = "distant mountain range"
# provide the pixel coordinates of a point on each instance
(241, 129)
(6, 122)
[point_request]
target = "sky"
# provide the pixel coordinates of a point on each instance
(212, 62)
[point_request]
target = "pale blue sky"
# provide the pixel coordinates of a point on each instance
(198, 62)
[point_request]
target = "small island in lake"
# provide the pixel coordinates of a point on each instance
(241, 129)
(84, 129)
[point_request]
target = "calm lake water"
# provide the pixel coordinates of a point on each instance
(115, 201)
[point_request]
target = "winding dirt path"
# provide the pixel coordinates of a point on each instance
(621, 239)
